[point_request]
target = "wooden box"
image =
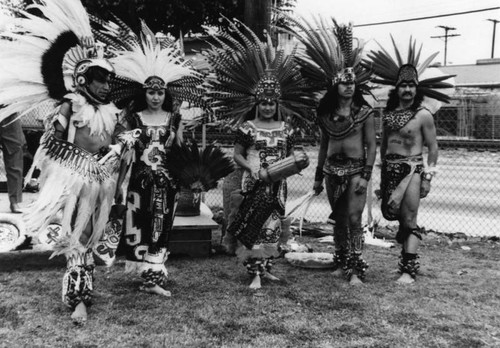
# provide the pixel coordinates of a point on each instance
(192, 235)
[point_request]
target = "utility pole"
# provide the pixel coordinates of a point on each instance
(446, 36)
(493, 41)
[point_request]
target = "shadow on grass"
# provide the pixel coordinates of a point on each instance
(29, 260)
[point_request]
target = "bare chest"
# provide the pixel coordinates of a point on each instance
(408, 137)
(91, 143)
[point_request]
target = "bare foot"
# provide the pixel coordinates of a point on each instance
(255, 282)
(79, 315)
(405, 279)
(269, 276)
(355, 280)
(156, 289)
(338, 273)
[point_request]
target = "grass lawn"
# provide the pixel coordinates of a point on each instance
(454, 303)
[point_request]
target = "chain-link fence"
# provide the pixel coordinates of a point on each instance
(465, 194)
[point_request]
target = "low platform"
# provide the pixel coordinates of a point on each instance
(192, 235)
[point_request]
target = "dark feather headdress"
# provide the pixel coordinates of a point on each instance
(246, 71)
(391, 71)
(331, 53)
(198, 170)
(38, 56)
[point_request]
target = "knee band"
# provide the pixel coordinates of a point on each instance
(404, 233)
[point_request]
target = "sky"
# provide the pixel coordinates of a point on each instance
(476, 32)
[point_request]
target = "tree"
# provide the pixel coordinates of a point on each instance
(173, 16)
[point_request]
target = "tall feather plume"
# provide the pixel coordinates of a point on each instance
(52, 64)
(328, 48)
(344, 37)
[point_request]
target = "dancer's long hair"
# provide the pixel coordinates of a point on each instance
(140, 103)
(393, 101)
(330, 101)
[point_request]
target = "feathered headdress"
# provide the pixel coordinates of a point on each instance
(144, 62)
(331, 54)
(198, 170)
(246, 71)
(42, 56)
(390, 71)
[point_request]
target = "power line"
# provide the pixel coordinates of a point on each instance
(446, 36)
(428, 17)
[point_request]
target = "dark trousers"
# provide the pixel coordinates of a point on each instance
(12, 141)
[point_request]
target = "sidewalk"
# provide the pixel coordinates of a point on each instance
(28, 197)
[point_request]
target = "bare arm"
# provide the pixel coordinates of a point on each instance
(383, 143)
(64, 111)
(370, 140)
(323, 149)
(430, 139)
(239, 157)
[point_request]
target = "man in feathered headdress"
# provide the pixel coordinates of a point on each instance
(408, 126)
(347, 148)
(53, 58)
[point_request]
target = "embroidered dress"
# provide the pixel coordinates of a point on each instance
(151, 201)
(258, 222)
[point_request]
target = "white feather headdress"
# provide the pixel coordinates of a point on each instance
(138, 58)
(33, 52)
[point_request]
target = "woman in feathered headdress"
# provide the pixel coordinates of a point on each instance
(257, 87)
(53, 58)
(331, 62)
(408, 126)
(151, 78)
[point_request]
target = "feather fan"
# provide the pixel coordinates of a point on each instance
(197, 170)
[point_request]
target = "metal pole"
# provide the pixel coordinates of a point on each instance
(493, 40)
(445, 48)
